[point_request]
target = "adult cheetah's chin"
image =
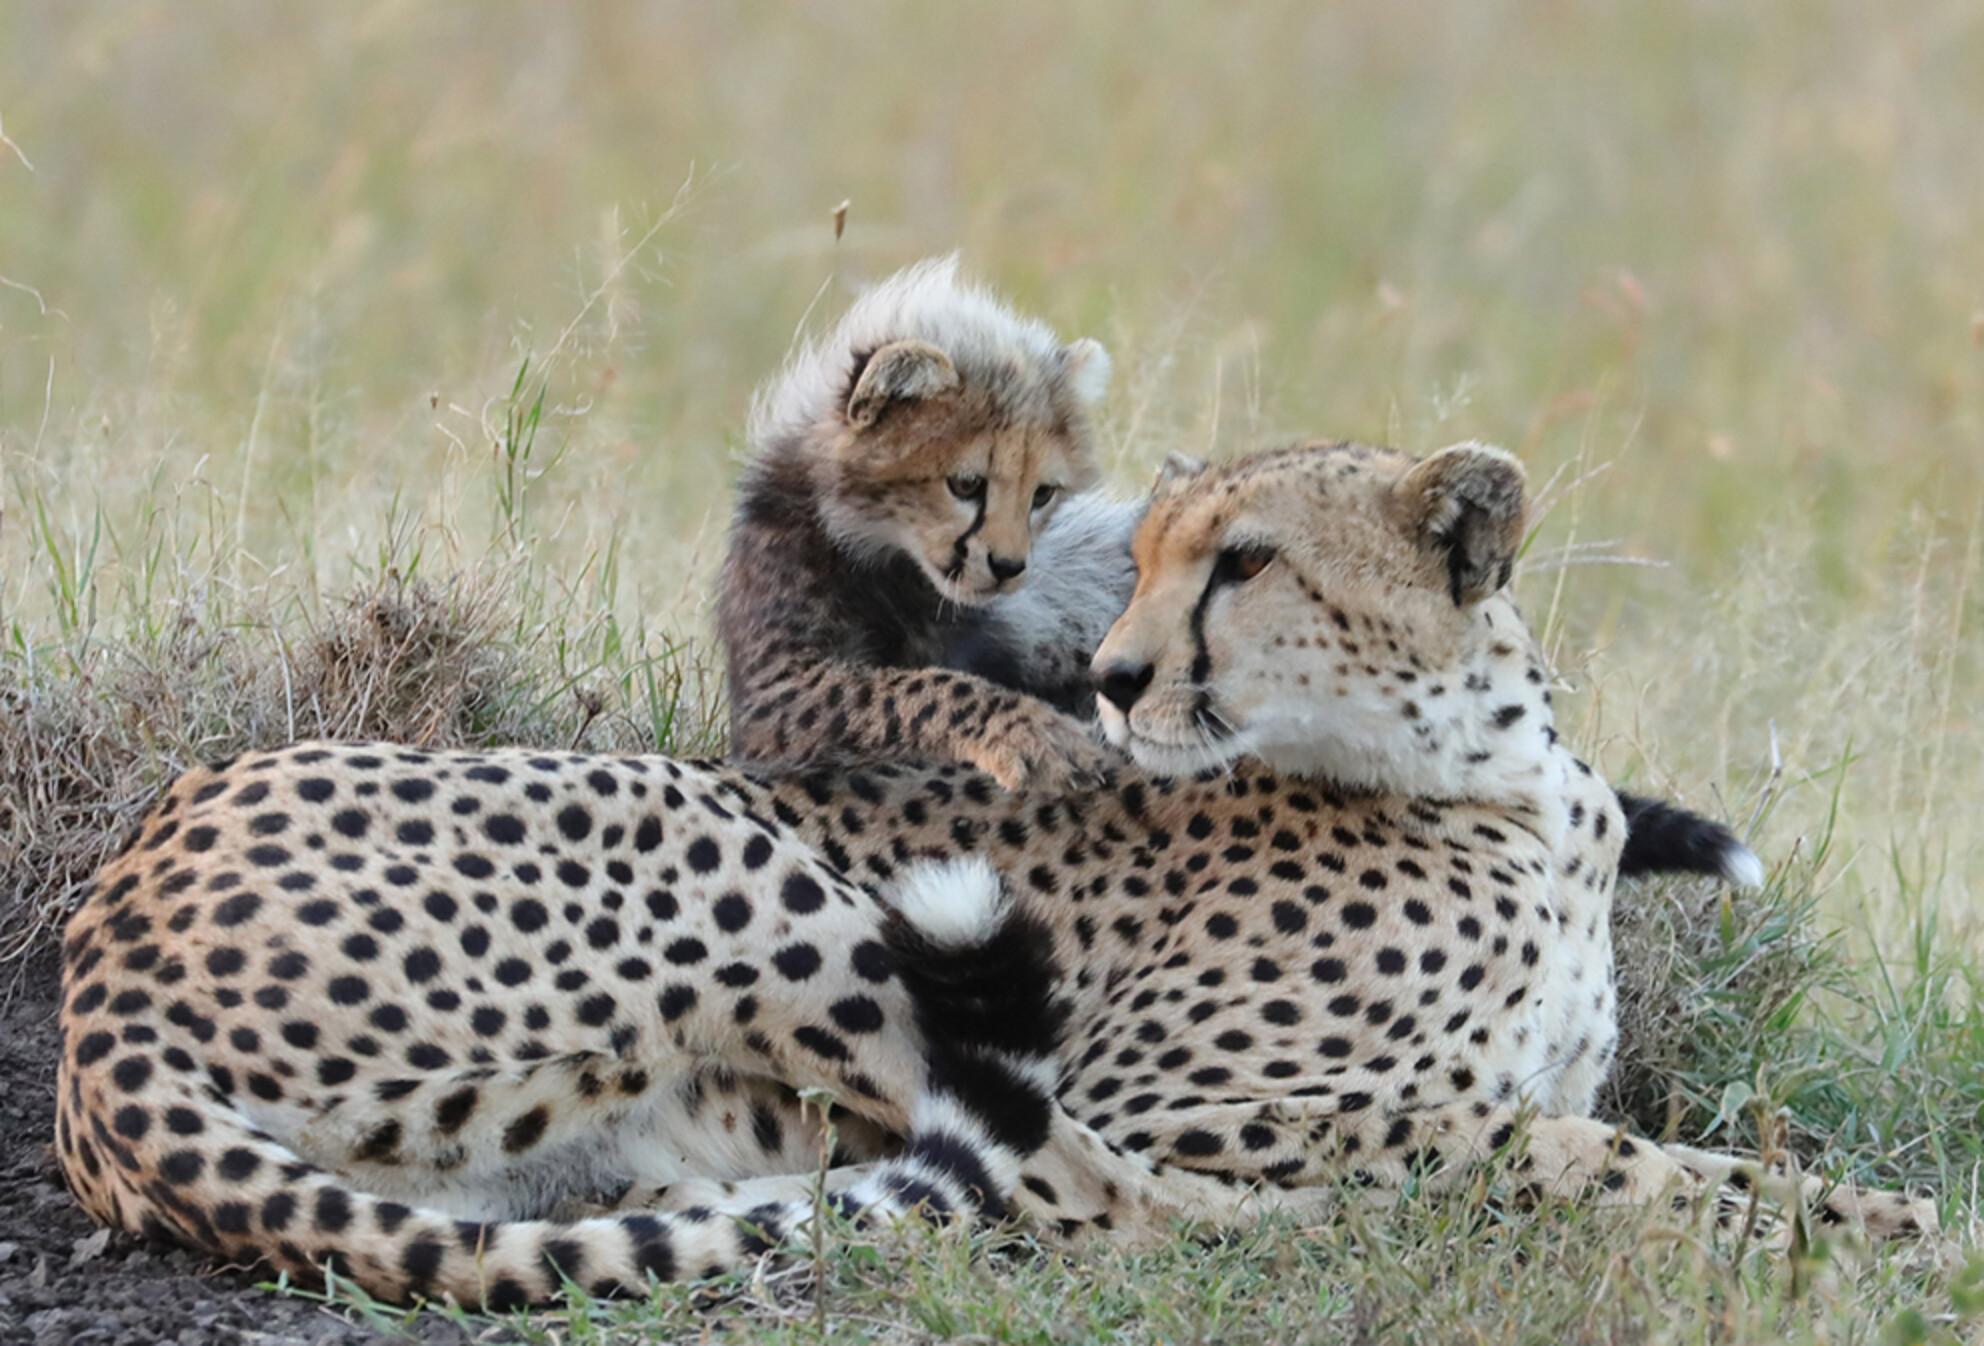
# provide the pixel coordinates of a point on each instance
(1193, 759)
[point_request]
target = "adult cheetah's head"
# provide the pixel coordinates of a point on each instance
(1326, 608)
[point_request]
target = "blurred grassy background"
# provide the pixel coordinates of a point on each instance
(269, 273)
(292, 256)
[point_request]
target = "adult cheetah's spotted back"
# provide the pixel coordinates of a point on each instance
(384, 1008)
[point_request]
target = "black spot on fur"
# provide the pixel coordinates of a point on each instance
(524, 1132)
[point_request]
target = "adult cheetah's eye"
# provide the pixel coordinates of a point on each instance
(966, 485)
(1237, 565)
(1043, 494)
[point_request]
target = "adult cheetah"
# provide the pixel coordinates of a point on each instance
(403, 1012)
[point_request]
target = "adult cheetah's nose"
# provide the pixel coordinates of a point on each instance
(1123, 682)
(1005, 567)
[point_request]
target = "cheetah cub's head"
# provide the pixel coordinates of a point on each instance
(1336, 612)
(940, 424)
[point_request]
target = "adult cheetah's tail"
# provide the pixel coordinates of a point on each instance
(1662, 838)
(983, 982)
(179, 1161)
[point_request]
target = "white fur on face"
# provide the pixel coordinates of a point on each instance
(1180, 759)
(983, 337)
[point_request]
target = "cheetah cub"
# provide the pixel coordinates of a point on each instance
(902, 468)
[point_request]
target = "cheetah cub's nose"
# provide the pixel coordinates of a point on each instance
(1005, 568)
(1122, 683)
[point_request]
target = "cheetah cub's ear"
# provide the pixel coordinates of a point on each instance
(1084, 370)
(1465, 503)
(902, 371)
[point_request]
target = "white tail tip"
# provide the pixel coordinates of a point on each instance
(1741, 867)
(953, 903)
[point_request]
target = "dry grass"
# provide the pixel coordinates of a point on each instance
(83, 749)
(390, 386)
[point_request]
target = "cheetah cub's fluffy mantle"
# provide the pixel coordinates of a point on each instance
(479, 1025)
(903, 466)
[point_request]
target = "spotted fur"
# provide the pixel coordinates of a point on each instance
(1042, 639)
(902, 466)
(475, 1024)
(380, 1016)
(867, 612)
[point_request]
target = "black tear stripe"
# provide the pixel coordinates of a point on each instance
(1201, 655)
(958, 556)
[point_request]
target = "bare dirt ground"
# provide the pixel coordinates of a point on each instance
(63, 1280)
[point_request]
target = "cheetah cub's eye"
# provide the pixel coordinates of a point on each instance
(1237, 565)
(966, 485)
(1043, 494)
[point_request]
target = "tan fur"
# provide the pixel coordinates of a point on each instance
(890, 473)
(1330, 659)
(903, 469)
(277, 1027)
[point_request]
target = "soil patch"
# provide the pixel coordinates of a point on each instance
(62, 1281)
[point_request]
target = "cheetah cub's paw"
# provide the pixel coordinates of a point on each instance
(1038, 748)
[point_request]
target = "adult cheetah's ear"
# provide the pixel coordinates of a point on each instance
(1084, 369)
(1466, 504)
(1175, 469)
(902, 371)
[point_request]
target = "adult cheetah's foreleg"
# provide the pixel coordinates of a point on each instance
(1290, 1145)
(1877, 1213)
(1079, 1185)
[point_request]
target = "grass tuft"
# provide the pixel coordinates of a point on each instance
(476, 659)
